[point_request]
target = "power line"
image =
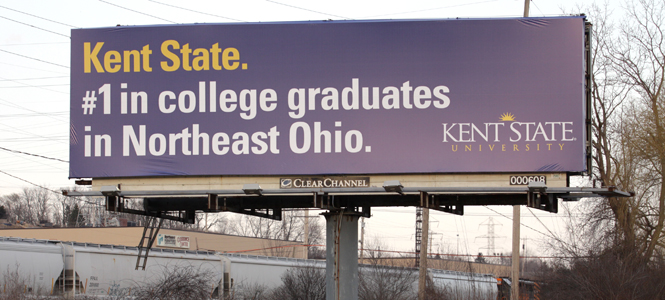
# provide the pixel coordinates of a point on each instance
(29, 86)
(552, 235)
(25, 13)
(460, 255)
(541, 223)
(37, 59)
(26, 132)
(527, 226)
(35, 167)
(428, 9)
(31, 44)
(59, 113)
(305, 9)
(34, 78)
(37, 185)
(35, 155)
(33, 26)
(195, 11)
(9, 103)
(136, 11)
(45, 188)
(34, 139)
(534, 4)
(38, 69)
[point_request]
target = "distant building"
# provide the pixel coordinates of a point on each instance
(170, 239)
(443, 264)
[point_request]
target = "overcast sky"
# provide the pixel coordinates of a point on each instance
(34, 91)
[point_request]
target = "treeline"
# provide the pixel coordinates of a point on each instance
(614, 247)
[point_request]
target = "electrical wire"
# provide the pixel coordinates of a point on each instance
(35, 155)
(428, 9)
(38, 17)
(198, 12)
(35, 139)
(38, 69)
(37, 59)
(26, 132)
(9, 103)
(538, 8)
(37, 185)
(21, 116)
(33, 26)
(45, 188)
(527, 226)
(548, 229)
(32, 86)
(43, 87)
(305, 9)
(21, 168)
(32, 44)
(136, 11)
(34, 78)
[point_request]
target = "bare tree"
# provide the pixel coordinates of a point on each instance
(31, 206)
(303, 282)
(290, 228)
(379, 282)
(609, 96)
(638, 56)
(178, 282)
(628, 128)
(38, 200)
(616, 248)
(380, 279)
(609, 275)
(14, 206)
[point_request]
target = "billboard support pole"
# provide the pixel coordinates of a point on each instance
(342, 255)
(422, 269)
(515, 272)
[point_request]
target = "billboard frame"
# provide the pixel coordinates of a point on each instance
(586, 132)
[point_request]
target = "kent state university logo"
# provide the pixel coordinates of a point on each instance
(507, 117)
(508, 135)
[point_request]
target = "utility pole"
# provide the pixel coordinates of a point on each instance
(524, 240)
(422, 275)
(362, 239)
(457, 246)
(431, 240)
(515, 273)
(306, 239)
(306, 230)
(430, 237)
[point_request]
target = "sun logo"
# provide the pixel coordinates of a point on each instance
(507, 117)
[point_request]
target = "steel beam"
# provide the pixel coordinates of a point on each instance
(342, 255)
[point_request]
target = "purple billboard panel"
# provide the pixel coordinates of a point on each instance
(369, 97)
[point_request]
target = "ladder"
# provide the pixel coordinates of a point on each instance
(150, 230)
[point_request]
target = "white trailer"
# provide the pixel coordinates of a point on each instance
(463, 285)
(48, 267)
(54, 267)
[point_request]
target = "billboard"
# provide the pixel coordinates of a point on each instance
(317, 98)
